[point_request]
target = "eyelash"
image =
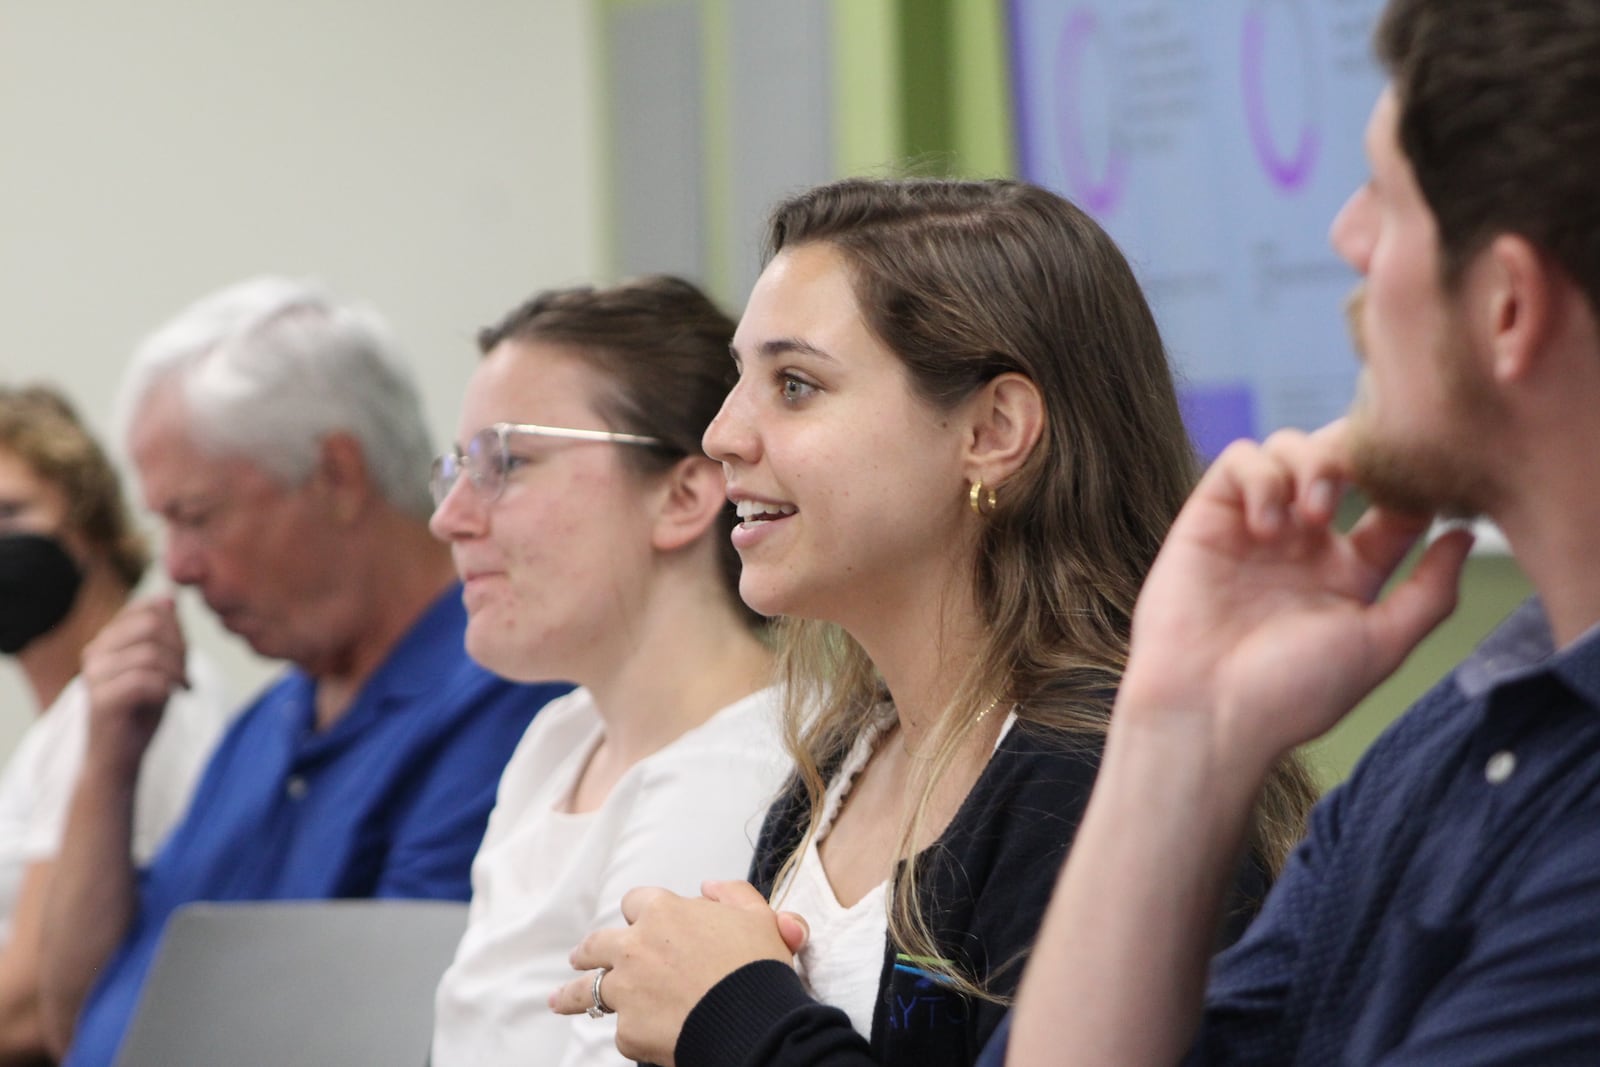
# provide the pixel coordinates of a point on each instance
(789, 378)
(512, 463)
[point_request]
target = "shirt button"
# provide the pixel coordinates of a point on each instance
(296, 787)
(1500, 766)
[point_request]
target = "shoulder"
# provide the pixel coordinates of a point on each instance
(1400, 765)
(560, 729)
(734, 760)
(746, 737)
(60, 731)
(1037, 774)
(1012, 832)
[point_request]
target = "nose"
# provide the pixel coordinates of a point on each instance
(184, 557)
(462, 513)
(731, 437)
(1354, 231)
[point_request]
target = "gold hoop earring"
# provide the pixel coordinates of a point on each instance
(981, 501)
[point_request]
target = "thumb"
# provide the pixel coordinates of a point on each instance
(793, 929)
(1421, 601)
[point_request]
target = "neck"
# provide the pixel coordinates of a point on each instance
(1558, 558)
(1546, 504)
(401, 574)
(1543, 449)
(687, 656)
(53, 660)
(922, 665)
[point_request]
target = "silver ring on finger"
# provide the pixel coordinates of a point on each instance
(599, 1008)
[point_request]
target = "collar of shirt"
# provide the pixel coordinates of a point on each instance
(1522, 647)
(423, 659)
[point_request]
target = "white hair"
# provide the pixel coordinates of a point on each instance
(271, 366)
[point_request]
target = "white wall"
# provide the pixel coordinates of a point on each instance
(437, 157)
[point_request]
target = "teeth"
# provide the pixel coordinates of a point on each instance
(760, 511)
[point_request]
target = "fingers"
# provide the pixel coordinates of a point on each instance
(636, 901)
(739, 894)
(601, 948)
(1292, 479)
(575, 997)
(792, 927)
(1424, 599)
(143, 636)
(133, 665)
(1381, 539)
(794, 930)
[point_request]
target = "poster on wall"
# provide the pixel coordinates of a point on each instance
(1215, 140)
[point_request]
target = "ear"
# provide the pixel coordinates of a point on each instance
(1007, 419)
(1521, 291)
(342, 477)
(693, 496)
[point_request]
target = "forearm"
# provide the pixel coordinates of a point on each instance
(92, 900)
(21, 1037)
(1118, 973)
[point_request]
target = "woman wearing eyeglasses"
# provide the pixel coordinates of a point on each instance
(591, 536)
(956, 448)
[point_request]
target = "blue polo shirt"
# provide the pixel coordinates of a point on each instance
(1444, 908)
(389, 802)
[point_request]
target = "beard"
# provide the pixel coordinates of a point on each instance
(1420, 474)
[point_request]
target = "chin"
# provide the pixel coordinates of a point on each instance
(509, 660)
(763, 600)
(490, 655)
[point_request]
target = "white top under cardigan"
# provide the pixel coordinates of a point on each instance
(544, 878)
(843, 956)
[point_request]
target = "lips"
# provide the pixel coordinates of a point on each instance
(755, 512)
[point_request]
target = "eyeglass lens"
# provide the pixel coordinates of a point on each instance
(483, 462)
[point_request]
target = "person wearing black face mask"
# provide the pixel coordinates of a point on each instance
(38, 583)
(69, 559)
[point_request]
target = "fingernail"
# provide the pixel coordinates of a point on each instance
(1320, 497)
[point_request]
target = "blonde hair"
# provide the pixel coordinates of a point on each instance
(964, 281)
(40, 427)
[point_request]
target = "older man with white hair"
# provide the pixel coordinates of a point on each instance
(280, 441)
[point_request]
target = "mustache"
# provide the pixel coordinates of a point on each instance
(1354, 306)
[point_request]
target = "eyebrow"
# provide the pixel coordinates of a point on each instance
(783, 346)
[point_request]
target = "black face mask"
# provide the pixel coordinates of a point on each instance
(38, 583)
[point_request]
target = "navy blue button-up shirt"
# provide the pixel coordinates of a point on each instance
(1445, 905)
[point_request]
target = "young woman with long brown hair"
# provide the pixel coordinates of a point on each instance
(955, 447)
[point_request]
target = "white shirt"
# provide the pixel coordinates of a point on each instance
(544, 878)
(842, 961)
(37, 783)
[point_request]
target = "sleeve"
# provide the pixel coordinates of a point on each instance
(436, 837)
(1518, 987)
(762, 1015)
(690, 817)
(56, 755)
(1249, 982)
(993, 873)
(994, 1053)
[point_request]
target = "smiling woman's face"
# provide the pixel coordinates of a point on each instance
(554, 567)
(849, 484)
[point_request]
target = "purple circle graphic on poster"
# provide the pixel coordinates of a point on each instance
(1096, 189)
(1289, 170)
